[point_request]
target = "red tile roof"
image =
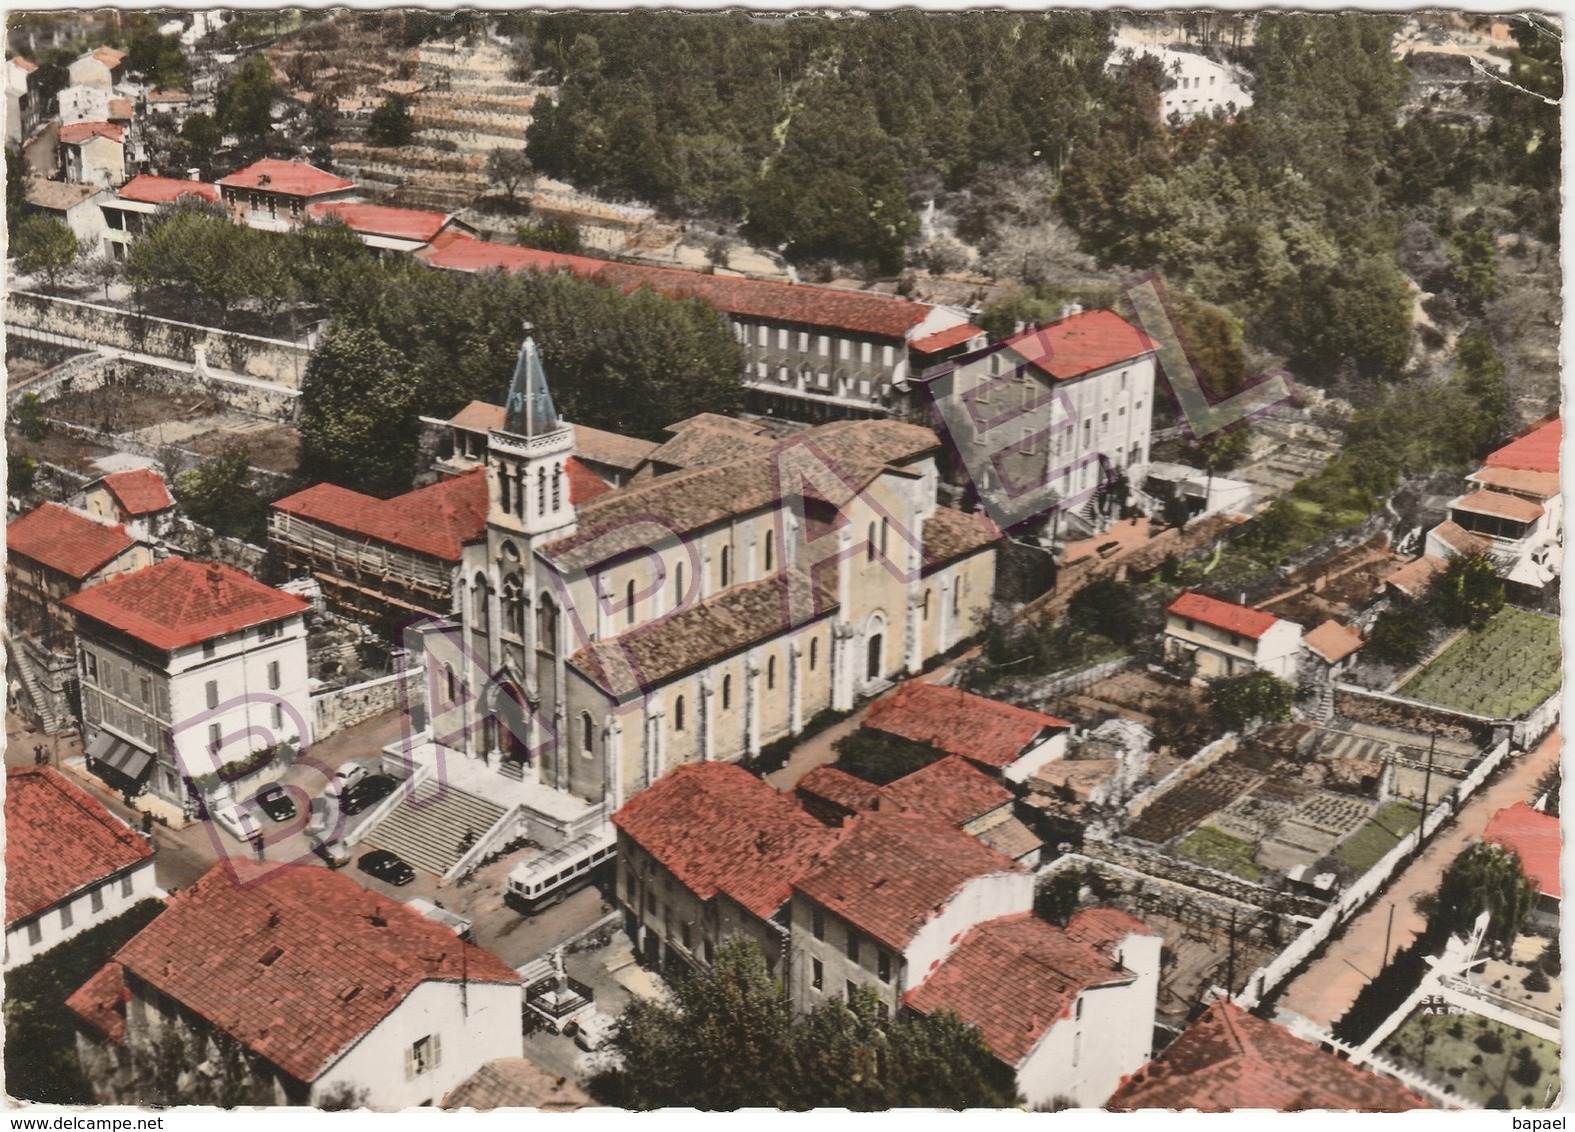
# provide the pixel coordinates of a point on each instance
(1461, 540)
(437, 520)
(166, 190)
(1333, 641)
(1014, 978)
(109, 56)
(380, 220)
(1081, 343)
(1499, 505)
(296, 963)
(611, 448)
(1416, 576)
(66, 540)
(296, 178)
(75, 133)
(1536, 450)
(178, 603)
(25, 64)
(1533, 836)
(944, 339)
(139, 492)
(1233, 618)
(719, 829)
(840, 789)
(59, 840)
(858, 311)
(479, 416)
(101, 1003)
(949, 789)
(891, 872)
(960, 723)
(1103, 926)
(1229, 1059)
(119, 108)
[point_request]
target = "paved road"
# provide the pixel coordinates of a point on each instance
(1330, 985)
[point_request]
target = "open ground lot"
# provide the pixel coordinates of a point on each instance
(1485, 1061)
(1503, 671)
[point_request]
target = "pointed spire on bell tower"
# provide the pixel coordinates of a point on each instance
(529, 410)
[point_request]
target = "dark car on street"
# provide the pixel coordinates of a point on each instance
(276, 803)
(386, 866)
(368, 793)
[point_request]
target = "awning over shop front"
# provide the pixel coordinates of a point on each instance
(118, 759)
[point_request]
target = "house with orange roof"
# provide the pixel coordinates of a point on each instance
(188, 668)
(277, 195)
(1228, 1059)
(1512, 510)
(386, 229)
(132, 210)
(100, 68)
(1226, 639)
(55, 552)
(1001, 739)
(810, 353)
(137, 498)
(332, 993)
(1535, 838)
(706, 855)
(1070, 1011)
(69, 863)
(1050, 413)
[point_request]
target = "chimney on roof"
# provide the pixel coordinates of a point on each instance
(214, 576)
(760, 842)
(194, 174)
(1071, 307)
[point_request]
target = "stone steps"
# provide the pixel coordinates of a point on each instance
(427, 830)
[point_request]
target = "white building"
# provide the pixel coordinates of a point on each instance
(332, 992)
(74, 205)
(70, 863)
(1198, 84)
(1226, 639)
(187, 667)
(1513, 510)
(21, 100)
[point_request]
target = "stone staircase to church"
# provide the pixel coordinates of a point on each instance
(434, 828)
(38, 700)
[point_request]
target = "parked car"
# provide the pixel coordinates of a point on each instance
(347, 776)
(593, 1030)
(335, 854)
(386, 866)
(367, 793)
(276, 802)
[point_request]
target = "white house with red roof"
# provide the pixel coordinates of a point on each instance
(1226, 639)
(1512, 510)
(1056, 408)
(1069, 1010)
(1003, 740)
(276, 195)
(1535, 838)
(93, 153)
(186, 668)
(810, 353)
(332, 992)
(138, 498)
(131, 212)
(70, 864)
(706, 855)
(55, 552)
(386, 229)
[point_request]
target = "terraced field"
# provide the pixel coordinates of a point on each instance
(1503, 671)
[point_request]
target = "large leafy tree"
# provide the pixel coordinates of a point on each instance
(245, 102)
(1468, 593)
(44, 246)
(219, 494)
(1487, 878)
(1258, 695)
(730, 1041)
(358, 413)
(1109, 608)
(391, 124)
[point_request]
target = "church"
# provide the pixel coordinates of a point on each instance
(735, 588)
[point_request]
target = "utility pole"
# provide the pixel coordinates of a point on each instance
(1388, 928)
(1230, 962)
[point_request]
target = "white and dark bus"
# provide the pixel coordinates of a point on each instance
(545, 879)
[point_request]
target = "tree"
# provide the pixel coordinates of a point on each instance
(730, 1041)
(880, 758)
(15, 191)
(159, 58)
(550, 236)
(1223, 450)
(1240, 700)
(509, 168)
(391, 125)
(200, 138)
(1398, 636)
(20, 472)
(358, 410)
(1468, 593)
(1108, 608)
(197, 250)
(1485, 877)
(218, 493)
(44, 246)
(245, 103)
(30, 419)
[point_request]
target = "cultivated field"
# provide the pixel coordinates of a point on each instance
(1504, 671)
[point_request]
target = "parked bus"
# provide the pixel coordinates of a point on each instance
(547, 878)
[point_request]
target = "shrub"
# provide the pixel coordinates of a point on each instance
(1526, 1071)
(1489, 1042)
(1536, 980)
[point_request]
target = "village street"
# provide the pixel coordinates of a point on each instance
(1329, 987)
